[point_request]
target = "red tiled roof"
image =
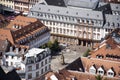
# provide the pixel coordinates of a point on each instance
(87, 63)
(68, 75)
(6, 34)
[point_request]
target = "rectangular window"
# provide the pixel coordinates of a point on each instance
(46, 61)
(41, 63)
(98, 30)
(37, 73)
(37, 66)
(42, 71)
(29, 75)
(29, 68)
(45, 68)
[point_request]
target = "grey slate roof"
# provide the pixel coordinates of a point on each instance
(114, 21)
(89, 14)
(83, 3)
(115, 7)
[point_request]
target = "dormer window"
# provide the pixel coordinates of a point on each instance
(100, 71)
(92, 70)
(110, 73)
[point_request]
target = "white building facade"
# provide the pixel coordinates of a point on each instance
(37, 63)
(74, 25)
(33, 64)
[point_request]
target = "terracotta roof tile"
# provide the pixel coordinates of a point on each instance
(6, 34)
(98, 63)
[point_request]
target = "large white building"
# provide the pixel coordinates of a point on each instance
(32, 64)
(75, 25)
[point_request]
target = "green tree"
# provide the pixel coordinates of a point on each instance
(44, 46)
(86, 53)
(98, 77)
(49, 44)
(55, 46)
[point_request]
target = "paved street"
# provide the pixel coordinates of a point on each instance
(70, 54)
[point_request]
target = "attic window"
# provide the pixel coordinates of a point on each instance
(48, 9)
(97, 15)
(67, 12)
(58, 11)
(110, 73)
(100, 71)
(117, 7)
(76, 13)
(87, 14)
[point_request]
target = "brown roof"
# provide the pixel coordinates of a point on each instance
(108, 47)
(68, 75)
(6, 34)
(21, 21)
(27, 27)
(88, 62)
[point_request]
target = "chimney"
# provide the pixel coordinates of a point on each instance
(11, 49)
(16, 50)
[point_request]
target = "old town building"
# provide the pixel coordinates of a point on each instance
(25, 31)
(103, 61)
(7, 5)
(30, 63)
(80, 26)
(110, 47)
(17, 6)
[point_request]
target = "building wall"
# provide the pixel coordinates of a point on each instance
(14, 61)
(72, 33)
(37, 68)
(18, 5)
(21, 6)
(7, 3)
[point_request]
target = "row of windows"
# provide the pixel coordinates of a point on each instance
(113, 24)
(67, 26)
(101, 72)
(65, 18)
(37, 73)
(43, 63)
(108, 56)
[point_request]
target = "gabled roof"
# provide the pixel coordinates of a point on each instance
(6, 34)
(21, 21)
(112, 21)
(73, 75)
(72, 12)
(107, 64)
(115, 7)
